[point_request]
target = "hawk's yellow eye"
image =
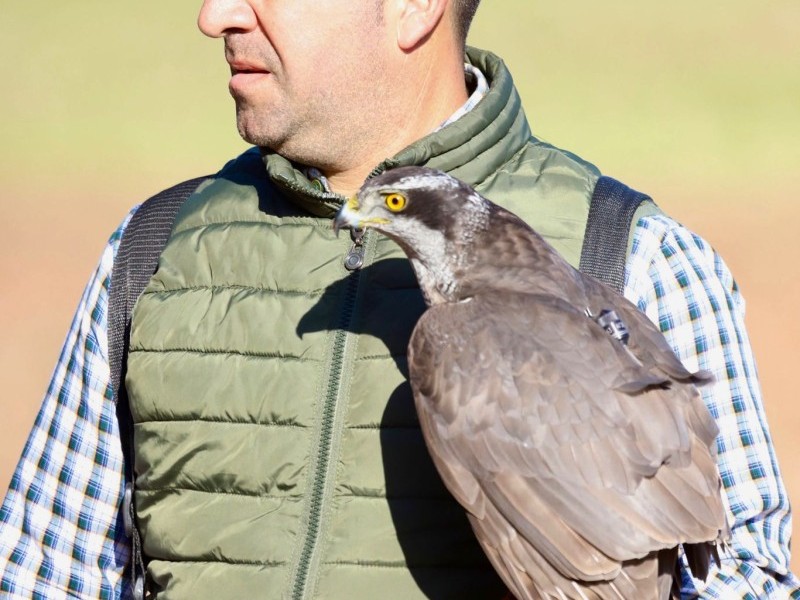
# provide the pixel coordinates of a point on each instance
(395, 202)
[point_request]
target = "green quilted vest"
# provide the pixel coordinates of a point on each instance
(277, 448)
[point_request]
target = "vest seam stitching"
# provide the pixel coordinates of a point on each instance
(236, 286)
(225, 561)
(404, 566)
(221, 422)
(381, 356)
(155, 490)
(212, 352)
(370, 426)
(448, 499)
(214, 224)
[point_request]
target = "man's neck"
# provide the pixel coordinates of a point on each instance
(441, 94)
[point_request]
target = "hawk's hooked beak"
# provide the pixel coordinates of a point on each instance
(347, 216)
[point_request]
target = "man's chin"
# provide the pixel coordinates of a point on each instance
(253, 131)
(284, 140)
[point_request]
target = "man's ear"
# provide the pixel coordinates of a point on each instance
(416, 20)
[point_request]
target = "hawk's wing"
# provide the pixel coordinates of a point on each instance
(564, 474)
(647, 342)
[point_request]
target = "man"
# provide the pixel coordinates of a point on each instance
(276, 452)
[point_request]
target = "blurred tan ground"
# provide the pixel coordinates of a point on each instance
(697, 105)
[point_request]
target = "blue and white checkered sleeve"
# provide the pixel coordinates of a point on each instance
(683, 285)
(60, 531)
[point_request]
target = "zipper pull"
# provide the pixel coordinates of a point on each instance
(354, 259)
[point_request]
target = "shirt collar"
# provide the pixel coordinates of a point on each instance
(476, 81)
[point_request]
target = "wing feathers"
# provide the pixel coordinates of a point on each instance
(542, 527)
(577, 466)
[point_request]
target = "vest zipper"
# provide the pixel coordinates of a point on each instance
(322, 466)
(354, 259)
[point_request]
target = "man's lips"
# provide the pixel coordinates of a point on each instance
(243, 66)
(246, 74)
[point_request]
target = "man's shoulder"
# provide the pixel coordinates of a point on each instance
(164, 205)
(551, 161)
(246, 166)
(556, 169)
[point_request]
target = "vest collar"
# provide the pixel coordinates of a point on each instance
(471, 149)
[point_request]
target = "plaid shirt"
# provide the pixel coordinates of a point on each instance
(61, 533)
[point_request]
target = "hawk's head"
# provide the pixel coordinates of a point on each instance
(432, 216)
(417, 207)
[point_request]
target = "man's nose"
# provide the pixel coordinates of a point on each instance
(219, 17)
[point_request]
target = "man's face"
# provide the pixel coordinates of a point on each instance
(305, 73)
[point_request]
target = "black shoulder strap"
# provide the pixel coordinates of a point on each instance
(137, 258)
(605, 242)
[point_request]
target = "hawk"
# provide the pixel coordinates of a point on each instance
(584, 459)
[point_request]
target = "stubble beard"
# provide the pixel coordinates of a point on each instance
(280, 130)
(328, 127)
(261, 127)
(325, 128)
(322, 131)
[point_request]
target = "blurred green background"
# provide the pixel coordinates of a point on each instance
(104, 104)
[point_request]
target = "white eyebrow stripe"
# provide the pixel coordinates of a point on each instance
(435, 181)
